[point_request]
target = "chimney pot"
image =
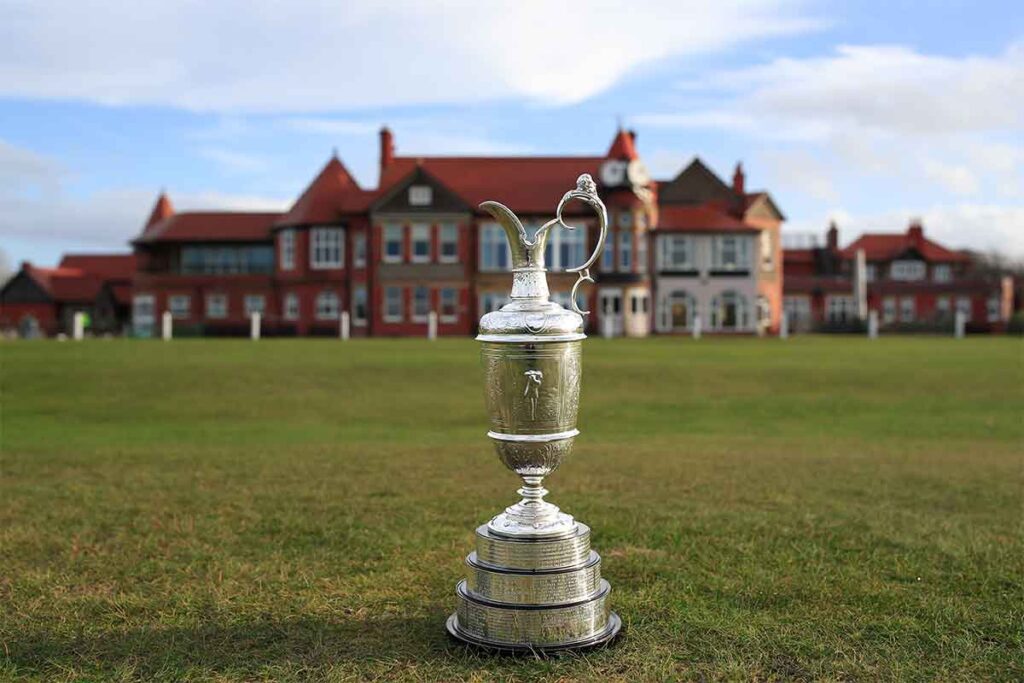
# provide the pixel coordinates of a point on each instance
(739, 180)
(832, 236)
(387, 147)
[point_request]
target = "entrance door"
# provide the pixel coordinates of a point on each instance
(610, 302)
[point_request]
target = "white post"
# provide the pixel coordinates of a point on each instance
(960, 325)
(606, 326)
(697, 326)
(872, 324)
(78, 325)
(167, 326)
(784, 326)
(254, 325)
(432, 326)
(344, 328)
(861, 285)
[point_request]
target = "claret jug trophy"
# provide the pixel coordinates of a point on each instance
(533, 583)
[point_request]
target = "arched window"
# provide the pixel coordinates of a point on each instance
(327, 307)
(678, 309)
(729, 311)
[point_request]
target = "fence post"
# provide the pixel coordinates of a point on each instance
(254, 325)
(872, 324)
(697, 326)
(960, 324)
(432, 326)
(344, 328)
(167, 326)
(78, 325)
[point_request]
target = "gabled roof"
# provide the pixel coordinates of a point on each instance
(887, 246)
(106, 266)
(443, 199)
(623, 146)
(695, 184)
(211, 226)
(332, 194)
(527, 185)
(699, 218)
(65, 284)
(752, 198)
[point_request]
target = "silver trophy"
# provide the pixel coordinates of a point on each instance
(533, 583)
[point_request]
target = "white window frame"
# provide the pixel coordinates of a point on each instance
(742, 311)
(359, 249)
(420, 316)
(290, 306)
(180, 306)
(448, 235)
(572, 242)
(889, 309)
(360, 300)
(448, 293)
(287, 249)
(322, 310)
(326, 248)
(419, 234)
(625, 261)
(870, 272)
(421, 195)
(247, 304)
(493, 244)
(797, 308)
(840, 308)
(626, 220)
(908, 309)
(399, 303)
(669, 246)
(741, 252)
(393, 233)
(943, 306)
(216, 306)
(942, 272)
(907, 271)
(994, 309)
(668, 302)
(606, 264)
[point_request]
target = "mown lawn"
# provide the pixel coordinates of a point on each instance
(819, 508)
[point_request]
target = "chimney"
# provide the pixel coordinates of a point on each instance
(832, 237)
(632, 135)
(916, 233)
(387, 148)
(739, 180)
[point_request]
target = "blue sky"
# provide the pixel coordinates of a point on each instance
(867, 113)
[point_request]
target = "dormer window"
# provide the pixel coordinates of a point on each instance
(421, 195)
(907, 271)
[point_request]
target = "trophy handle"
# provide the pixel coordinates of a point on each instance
(586, 192)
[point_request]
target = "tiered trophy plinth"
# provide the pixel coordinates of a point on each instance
(533, 594)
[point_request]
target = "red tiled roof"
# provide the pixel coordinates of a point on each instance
(333, 193)
(106, 266)
(699, 218)
(527, 185)
(65, 284)
(623, 146)
(161, 210)
(212, 226)
(886, 246)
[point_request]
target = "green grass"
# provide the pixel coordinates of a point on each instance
(820, 508)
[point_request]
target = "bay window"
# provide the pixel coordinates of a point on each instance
(326, 248)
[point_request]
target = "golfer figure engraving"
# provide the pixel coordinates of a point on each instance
(534, 378)
(534, 584)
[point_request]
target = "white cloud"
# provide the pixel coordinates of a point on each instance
(305, 57)
(36, 205)
(957, 179)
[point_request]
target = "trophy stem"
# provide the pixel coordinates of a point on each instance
(532, 516)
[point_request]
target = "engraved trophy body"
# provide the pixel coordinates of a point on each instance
(533, 583)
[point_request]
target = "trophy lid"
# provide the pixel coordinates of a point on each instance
(531, 316)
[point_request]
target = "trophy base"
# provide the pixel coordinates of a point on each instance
(592, 642)
(534, 594)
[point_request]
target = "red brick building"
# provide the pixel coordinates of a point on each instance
(912, 282)
(42, 301)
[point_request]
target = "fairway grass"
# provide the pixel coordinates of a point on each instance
(816, 508)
